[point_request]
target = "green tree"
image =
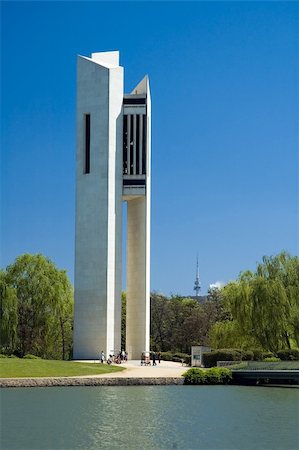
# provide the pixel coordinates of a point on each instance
(228, 334)
(264, 303)
(8, 315)
(159, 322)
(177, 323)
(45, 306)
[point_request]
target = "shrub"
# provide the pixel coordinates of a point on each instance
(210, 359)
(166, 356)
(195, 376)
(288, 355)
(29, 356)
(247, 355)
(267, 355)
(3, 356)
(272, 359)
(214, 375)
(257, 354)
(179, 356)
(219, 375)
(176, 357)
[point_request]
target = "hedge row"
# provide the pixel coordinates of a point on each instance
(28, 356)
(288, 355)
(216, 375)
(231, 354)
(210, 359)
(176, 357)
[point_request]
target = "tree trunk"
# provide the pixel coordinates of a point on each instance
(287, 340)
(62, 338)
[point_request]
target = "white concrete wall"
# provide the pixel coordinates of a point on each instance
(137, 314)
(116, 89)
(98, 266)
(98, 210)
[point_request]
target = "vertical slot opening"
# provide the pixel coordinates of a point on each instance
(87, 143)
(131, 146)
(125, 145)
(137, 143)
(144, 146)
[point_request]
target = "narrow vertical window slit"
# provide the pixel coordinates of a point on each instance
(87, 143)
(125, 145)
(137, 143)
(144, 146)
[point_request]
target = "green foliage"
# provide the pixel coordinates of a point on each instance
(272, 359)
(257, 354)
(176, 357)
(229, 334)
(288, 355)
(246, 355)
(267, 355)
(8, 315)
(29, 356)
(229, 354)
(210, 359)
(166, 356)
(264, 306)
(219, 375)
(177, 323)
(43, 306)
(179, 357)
(195, 376)
(215, 375)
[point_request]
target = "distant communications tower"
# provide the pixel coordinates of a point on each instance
(197, 282)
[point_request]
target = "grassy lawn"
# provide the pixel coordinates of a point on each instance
(30, 368)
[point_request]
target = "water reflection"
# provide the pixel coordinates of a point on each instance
(150, 417)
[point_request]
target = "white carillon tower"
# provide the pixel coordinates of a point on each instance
(113, 165)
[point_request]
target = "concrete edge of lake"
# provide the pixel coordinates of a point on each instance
(89, 381)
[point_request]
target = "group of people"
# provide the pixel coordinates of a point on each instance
(155, 357)
(121, 356)
(145, 360)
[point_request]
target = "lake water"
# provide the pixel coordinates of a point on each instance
(150, 417)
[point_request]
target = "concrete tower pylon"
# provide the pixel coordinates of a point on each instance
(138, 243)
(113, 165)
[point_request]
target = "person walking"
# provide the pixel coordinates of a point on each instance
(159, 357)
(154, 359)
(102, 357)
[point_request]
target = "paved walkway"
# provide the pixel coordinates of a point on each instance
(166, 369)
(167, 372)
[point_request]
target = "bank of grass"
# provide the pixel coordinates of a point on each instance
(32, 368)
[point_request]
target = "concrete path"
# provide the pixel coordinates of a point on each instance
(165, 373)
(166, 369)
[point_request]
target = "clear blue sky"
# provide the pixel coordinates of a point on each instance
(224, 83)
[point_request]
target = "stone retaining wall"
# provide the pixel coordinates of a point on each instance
(78, 381)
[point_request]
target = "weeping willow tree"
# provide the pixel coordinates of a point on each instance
(8, 315)
(264, 304)
(44, 307)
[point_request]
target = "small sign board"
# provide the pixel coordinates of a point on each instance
(196, 355)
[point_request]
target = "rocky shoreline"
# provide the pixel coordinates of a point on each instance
(88, 381)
